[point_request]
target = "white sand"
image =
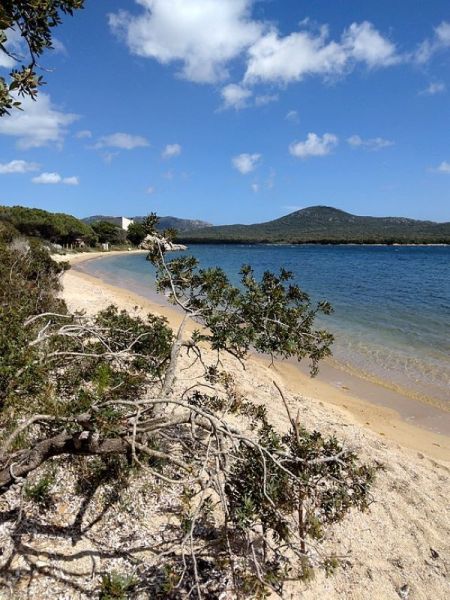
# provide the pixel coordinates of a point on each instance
(383, 551)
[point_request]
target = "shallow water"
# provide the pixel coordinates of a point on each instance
(391, 305)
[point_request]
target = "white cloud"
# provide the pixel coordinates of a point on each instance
(171, 150)
(150, 190)
(6, 62)
(47, 178)
(245, 163)
(38, 124)
(202, 35)
(428, 48)
(377, 143)
(169, 175)
(125, 141)
(277, 59)
(14, 45)
(434, 88)
(55, 178)
(235, 96)
(18, 166)
(83, 134)
(71, 180)
(255, 187)
(365, 44)
(444, 167)
(314, 145)
(292, 116)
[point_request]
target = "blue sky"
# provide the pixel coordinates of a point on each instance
(238, 111)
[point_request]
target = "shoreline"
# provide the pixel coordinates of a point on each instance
(365, 404)
(227, 242)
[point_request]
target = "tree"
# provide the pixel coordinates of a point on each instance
(109, 233)
(53, 227)
(136, 233)
(32, 23)
(251, 500)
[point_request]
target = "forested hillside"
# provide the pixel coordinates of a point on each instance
(323, 224)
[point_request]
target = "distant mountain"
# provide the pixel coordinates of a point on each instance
(324, 224)
(178, 224)
(164, 222)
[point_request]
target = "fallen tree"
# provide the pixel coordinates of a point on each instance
(253, 501)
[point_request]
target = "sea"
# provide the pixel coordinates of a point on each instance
(391, 318)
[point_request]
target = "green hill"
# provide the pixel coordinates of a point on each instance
(164, 222)
(324, 224)
(177, 223)
(54, 227)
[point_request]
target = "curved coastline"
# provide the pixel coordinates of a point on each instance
(410, 423)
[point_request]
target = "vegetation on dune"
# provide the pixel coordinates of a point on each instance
(252, 502)
(326, 225)
(102, 395)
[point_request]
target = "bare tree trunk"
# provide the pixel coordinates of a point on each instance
(84, 443)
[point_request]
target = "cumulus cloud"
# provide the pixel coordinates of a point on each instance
(54, 178)
(203, 38)
(124, 141)
(314, 145)
(245, 163)
(202, 35)
(444, 167)
(83, 134)
(171, 150)
(434, 88)
(255, 187)
(364, 43)
(440, 41)
(40, 123)
(377, 143)
(235, 96)
(18, 166)
(285, 59)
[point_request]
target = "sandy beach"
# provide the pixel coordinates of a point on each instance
(403, 420)
(397, 549)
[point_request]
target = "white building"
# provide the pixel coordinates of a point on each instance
(122, 222)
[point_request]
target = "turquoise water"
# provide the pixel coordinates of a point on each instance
(392, 304)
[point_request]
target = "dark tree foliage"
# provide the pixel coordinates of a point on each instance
(29, 283)
(150, 223)
(272, 315)
(54, 227)
(136, 233)
(105, 392)
(109, 233)
(33, 21)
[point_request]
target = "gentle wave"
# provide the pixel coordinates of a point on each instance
(392, 304)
